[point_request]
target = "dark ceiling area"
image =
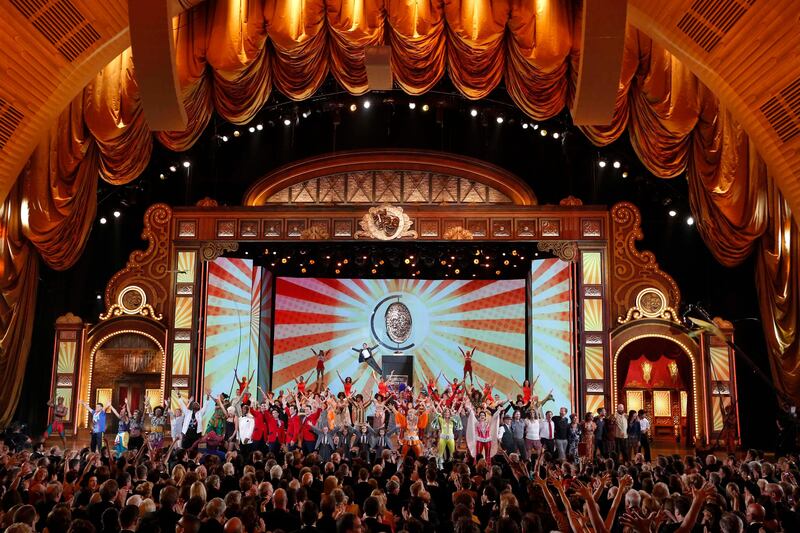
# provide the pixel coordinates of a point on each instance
(553, 157)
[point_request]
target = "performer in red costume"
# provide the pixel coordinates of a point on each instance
(321, 356)
(243, 383)
(527, 389)
(347, 383)
(467, 364)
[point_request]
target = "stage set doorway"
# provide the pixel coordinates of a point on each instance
(655, 374)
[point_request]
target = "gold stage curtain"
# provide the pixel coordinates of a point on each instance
(230, 54)
(779, 286)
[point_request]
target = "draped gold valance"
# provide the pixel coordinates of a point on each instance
(231, 53)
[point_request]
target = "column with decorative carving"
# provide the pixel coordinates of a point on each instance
(67, 354)
(719, 364)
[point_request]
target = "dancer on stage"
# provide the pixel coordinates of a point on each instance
(321, 356)
(447, 425)
(467, 363)
(367, 355)
(301, 384)
(158, 423)
(243, 383)
(57, 421)
(123, 428)
(347, 383)
(98, 423)
(411, 424)
(527, 389)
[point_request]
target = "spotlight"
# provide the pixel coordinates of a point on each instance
(103, 220)
(476, 261)
(367, 104)
(497, 272)
(457, 271)
(224, 138)
(99, 297)
(499, 120)
(338, 271)
(690, 221)
(524, 125)
(601, 163)
(473, 112)
(555, 135)
(117, 214)
(246, 252)
(353, 107)
(259, 127)
(186, 164)
(513, 252)
(412, 105)
(272, 264)
(616, 164)
(672, 213)
(443, 262)
(162, 176)
(536, 126)
(374, 271)
(506, 262)
(311, 261)
(173, 168)
(306, 114)
(625, 174)
(425, 107)
(543, 132)
(287, 122)
(345, 261)
(251, 129)
(283, 260)
(236, 133)
(407, 261)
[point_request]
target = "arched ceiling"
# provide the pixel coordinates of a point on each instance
(746, 51)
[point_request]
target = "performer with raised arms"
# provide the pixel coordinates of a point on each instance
(347, 383)
(366, 355)
(321, 355)
(467, 363)
(98, 423)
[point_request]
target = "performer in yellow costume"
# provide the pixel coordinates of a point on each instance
(447, 426)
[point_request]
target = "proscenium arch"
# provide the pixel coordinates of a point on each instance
(108, 329)
(662, 329)
(55, 83)
(469, 168)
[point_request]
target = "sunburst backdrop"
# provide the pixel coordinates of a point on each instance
(234, 301)
(337, 315)
(551, 330)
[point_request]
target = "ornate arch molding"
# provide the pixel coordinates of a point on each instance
(637, 330)
(100, 333)
(436, 177)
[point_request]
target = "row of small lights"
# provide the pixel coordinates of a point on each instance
(409, 260)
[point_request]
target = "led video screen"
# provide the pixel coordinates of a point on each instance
(551, 330)
(440, 316)
(238, 325)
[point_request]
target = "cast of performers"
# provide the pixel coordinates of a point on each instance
(366, 355)
(427, 424)
(59, 413)
(467, 364)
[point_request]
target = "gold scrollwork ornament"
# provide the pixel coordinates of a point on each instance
(385, 223)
